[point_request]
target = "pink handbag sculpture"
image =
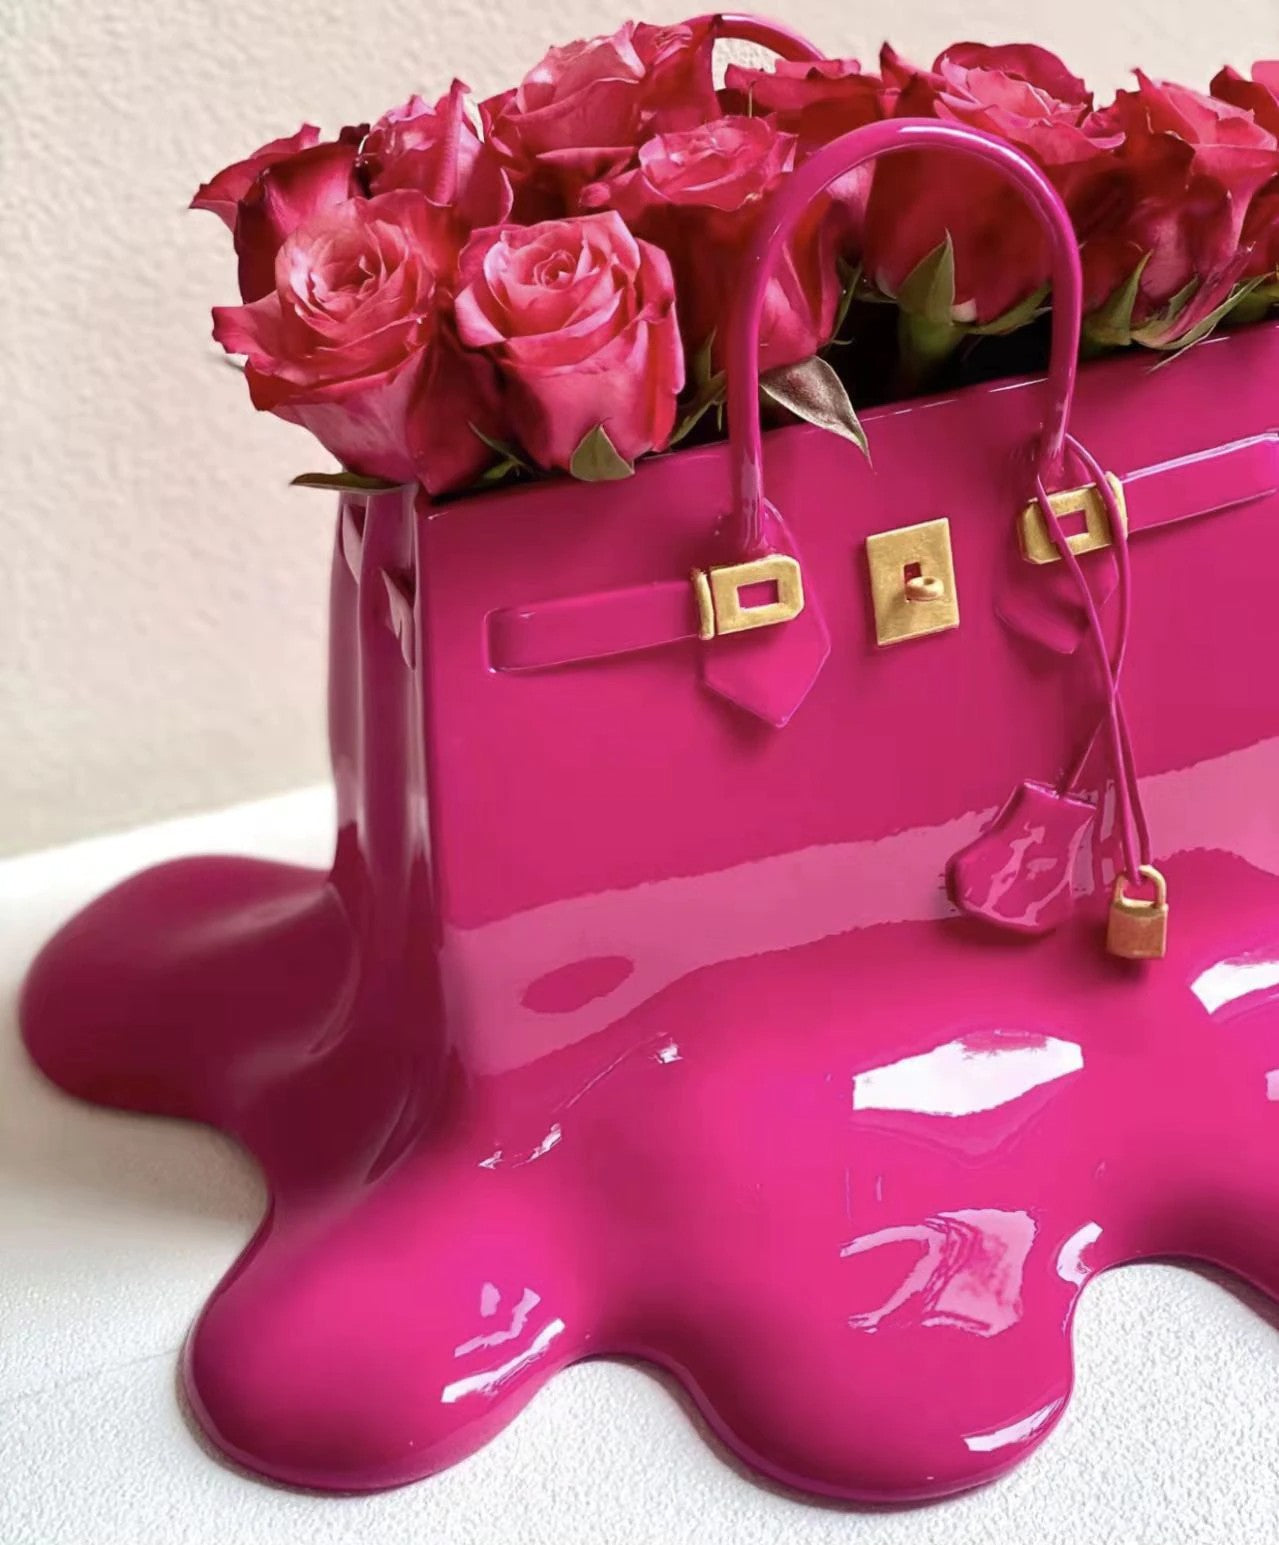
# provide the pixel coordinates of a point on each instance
(713, 970)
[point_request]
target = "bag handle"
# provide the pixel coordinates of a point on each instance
(741, 27)
(793, 197)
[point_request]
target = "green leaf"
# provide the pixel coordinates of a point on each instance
(1020, 315)
(597, 459)
(708, 395)
(1157, 336)
(928, 291)
(350, 482)
(1110, 327)
(812, 391)
(503, 451)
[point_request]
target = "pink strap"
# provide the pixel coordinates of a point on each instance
(609, 622)
(793, 197)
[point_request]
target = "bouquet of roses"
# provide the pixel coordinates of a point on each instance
(453, 303)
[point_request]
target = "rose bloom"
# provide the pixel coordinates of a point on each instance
(580, 113)
(355, 343)
(817, 101)
(275, 190)
(222, 193)
(437, 151)
(579, 317)
(1258, 96)
(1179, 196)
(698, 193)
(1022, 94)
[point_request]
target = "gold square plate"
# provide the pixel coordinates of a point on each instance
(921, 553)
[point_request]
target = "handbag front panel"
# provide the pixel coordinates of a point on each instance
(615, 809)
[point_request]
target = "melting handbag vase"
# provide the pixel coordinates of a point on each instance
(714, 966)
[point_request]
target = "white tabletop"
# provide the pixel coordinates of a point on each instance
(114, 1228)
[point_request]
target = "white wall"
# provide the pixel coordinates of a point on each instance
(162, 591)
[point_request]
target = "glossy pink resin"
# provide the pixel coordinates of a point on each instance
(627, 1023)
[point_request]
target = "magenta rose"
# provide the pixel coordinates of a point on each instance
(1258, 96)
(816, 101)
(579, 317)
(1026, 96)
(580, 114)
(699, 193)
(1178, 199)
(221, 195)
(275, 190)
(437, 151)
(355, 343)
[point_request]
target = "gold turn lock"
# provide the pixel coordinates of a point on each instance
(912, 581)
(1138, 930)
(720, 605)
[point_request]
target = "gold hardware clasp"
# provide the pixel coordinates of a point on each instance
(912, 581)
(1037, 544)
(719, 595)
(1138, 930)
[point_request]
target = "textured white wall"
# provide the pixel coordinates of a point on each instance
(162, 591)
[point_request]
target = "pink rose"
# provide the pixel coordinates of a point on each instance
(579, 115)
(817, 102)
(1258, 96)
(1026, 96)
(355, 343)
(814, 101)
(222, 194)
(1177, 198)
(698, 193)
(437, 151)
(579, 317)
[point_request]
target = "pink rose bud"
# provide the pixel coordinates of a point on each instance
(579, 317)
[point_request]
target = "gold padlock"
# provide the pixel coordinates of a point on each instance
(1138, 930)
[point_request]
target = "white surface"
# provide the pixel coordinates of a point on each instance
(113, 1228)
(162, 593)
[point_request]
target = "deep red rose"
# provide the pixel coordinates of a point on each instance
(1258, 96)
(223, 192)
(1026, 96)
(815, 101)
(1178, 198)
(356, 343)
(437, 151)
(580, 318)
(580, 114)
(285, 195)
(698, 193)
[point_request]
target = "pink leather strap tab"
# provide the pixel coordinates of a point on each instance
(569, 629)
(1202, 484)
(592, 627)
